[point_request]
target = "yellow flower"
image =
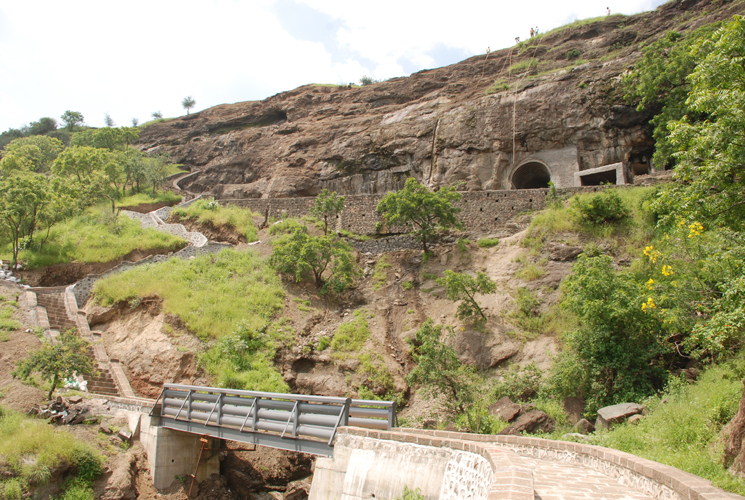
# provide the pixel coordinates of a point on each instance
(652, 254)
(649, 304)
(650, 283)
(681, 223)
(696, 229)
(667, 270)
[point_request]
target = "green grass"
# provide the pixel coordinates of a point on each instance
(175, 168)
(211, 294)
(210, 211)
(354, 236)
(487, 242)
(285, 226)
(144, 198)
(582, 22)
(407, 285)
(94, 238)
(30, 449)
(380, 275)
(351, 336)
(552, 222)
(530, 272)
(684, 431)
(524, 64)
(157, 120)
(323, 343)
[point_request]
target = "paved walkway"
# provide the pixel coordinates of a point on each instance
(558, 481)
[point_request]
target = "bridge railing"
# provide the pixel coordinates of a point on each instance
(289, 415)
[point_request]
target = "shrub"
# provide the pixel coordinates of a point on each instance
(602, 208)
(573, 54)
(519, 383)
(323, 343)
(487, 242)
(351, 336)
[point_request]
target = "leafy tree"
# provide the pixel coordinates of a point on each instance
(23, 198)
(612, 356)
(711, 153)
(157, 115)
(80, 161)
(107, 138)
(425, 210)
(326, 261)
(327, 205)
(188, 103)
(72, 119)
(659, 84)
(108, 121)
(135, 122)
(43, 126)
(35, 153)
(464, 287)
(9, 135)
(156, 168)
(439, 370)
(57, 361)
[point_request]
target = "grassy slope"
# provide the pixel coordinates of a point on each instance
(204, 211)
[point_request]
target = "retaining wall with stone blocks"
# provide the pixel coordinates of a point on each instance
(482, 211)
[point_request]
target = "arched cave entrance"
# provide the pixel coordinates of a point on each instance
(532, 175)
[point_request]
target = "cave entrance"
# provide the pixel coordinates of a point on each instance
(532, 175)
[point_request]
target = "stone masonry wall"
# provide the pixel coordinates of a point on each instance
(482, 211)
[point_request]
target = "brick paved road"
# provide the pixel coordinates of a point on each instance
(557, 481)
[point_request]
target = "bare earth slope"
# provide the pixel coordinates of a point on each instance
(442, 125)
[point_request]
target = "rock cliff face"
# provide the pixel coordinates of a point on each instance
(517, 118)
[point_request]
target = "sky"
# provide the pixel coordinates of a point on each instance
(130, 59)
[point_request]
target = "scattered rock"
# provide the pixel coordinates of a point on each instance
(104, 427)
(583, 426)
(634, 419)
(298, 490)
(429, 423)
(125, 435)
(616, 413)
(75, 400)
(562, 252)
(574, 407)
(505, 409)
(533, 421)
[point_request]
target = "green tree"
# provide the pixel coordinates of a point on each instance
(36, 153)
(72, 119)
(43, 126)
(108, 121)
(711, 153)
(188, 103)
(327, 204)
(326, 261)
(156, 169)
(57, 361)
(613, 356)
(464, 287)
(421, 208)
(157, 115)
(23, 198)
(80, 161)
(110, 138)
(439, 370)
(659, 84)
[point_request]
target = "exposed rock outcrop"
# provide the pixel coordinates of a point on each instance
(442, 125)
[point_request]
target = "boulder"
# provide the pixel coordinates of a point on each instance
(634, 419)
(574, 407)
(562, 252)
(733, 435)
(298, 490)
(533, 421)
(104, 427)
(584, 426)
(610, 415)
(505, 409)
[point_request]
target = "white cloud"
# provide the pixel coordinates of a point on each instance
(130, 59)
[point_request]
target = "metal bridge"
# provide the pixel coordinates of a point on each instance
(286, 421)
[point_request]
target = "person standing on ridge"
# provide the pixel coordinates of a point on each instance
(607, 11)
(532, 32)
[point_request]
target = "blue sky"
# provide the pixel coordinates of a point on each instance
(132, 58)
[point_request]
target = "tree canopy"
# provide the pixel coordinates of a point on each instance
(327, 204)
(72, 119)
(57, 361)
(325, 260)
(464, 287)
(427, 211)
(188, 103)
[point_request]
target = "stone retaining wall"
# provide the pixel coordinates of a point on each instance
(482, 211)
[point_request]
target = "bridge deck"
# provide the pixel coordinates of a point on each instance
(292, 422)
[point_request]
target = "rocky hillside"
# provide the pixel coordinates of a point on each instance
(556, 99)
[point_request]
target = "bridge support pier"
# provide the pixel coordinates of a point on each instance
(172, 453)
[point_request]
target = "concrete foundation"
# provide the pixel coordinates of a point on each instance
(172, 453)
